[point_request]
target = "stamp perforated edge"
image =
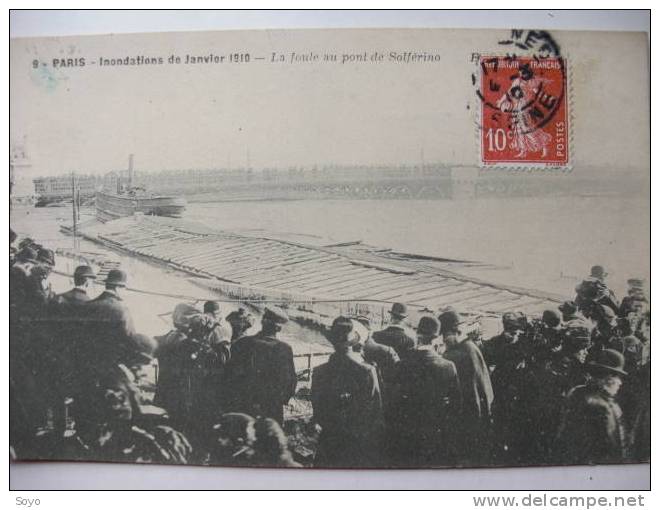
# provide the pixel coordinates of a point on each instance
(529, 167)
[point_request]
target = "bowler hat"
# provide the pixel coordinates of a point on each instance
(116, 277)
(12, 236)
(27, 254)
(46, 256)
(607, 361)
(342, 331)
(449, 321)
(399, 310)
(211, 306)
(598, 272)
(84, 272)
(636, 283)
(428, 326)
(568, 307)
(276, 315)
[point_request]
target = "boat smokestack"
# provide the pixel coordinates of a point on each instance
(130, 170)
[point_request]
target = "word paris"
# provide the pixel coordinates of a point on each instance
(348, 58)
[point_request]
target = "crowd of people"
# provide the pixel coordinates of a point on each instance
(572, 386)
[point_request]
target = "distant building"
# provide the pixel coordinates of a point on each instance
(19, 165)
(54, 189)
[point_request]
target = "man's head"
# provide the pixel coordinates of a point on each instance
(598, 272)
(116, 395)
(427, 330)
(398, 313)
(606, 370)
(116, 280)
(511, 322)
(273, 319)
(234, 436)
(270, 442)
(212, 309)
(568, 310)
(551, 319)
(450, 327)
(576, 343)
(342, 334)
(240, 322)
(46, 257)
(606, 317)
(27, 255)
(83, 276)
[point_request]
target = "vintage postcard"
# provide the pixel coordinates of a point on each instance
(365, 248)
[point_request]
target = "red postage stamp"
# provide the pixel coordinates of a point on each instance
(524, 111)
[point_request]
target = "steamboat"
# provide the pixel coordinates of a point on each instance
(128, 200)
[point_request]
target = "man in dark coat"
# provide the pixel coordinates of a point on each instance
(347, 405)
(240, 321)
(635, 302)
(381, 356)
(570, 318)
(397, 335)
(606, 332)
(426, 404)
(555, 382)
(476, 389)
(593, 291)
(83, 277)
(508, 355)
(261, 374)
(592, 429)
(110, 325)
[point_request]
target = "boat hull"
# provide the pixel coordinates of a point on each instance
(110, 206)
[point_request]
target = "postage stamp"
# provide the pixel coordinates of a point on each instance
(524, 111)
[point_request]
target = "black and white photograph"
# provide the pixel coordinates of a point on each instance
(331, 248)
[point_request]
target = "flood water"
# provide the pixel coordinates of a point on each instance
(546, 243)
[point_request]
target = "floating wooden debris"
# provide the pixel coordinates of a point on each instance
(347, 275)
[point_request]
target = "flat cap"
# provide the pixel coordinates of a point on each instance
(275, 314)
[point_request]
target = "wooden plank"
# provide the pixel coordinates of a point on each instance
(378, 278)
(274, 265)
(417, 292)
(394, 291)
(446, 290)
(296, 273)
(267, 262)
(322, 275)
(342, 280)
(386, 286)
(218, 246)
(489, 299)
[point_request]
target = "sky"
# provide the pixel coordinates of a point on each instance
(89, 118)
